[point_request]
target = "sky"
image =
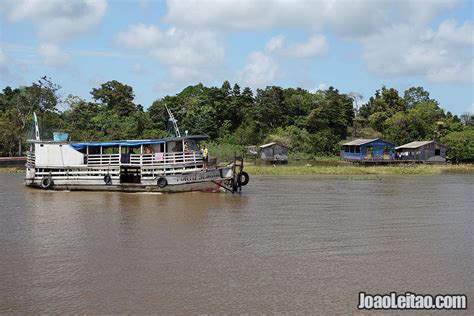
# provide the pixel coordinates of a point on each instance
(160, 47)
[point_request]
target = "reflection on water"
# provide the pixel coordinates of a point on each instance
(287, 244)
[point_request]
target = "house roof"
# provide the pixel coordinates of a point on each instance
(271, 144)
(267, 145)
(414, 145)
(359, 141)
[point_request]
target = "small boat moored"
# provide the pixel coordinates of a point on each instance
(173, 164)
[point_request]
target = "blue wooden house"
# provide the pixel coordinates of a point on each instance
(368, 150)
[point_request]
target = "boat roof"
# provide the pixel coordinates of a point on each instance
(126, 143)
(416, 144)
(196, 137)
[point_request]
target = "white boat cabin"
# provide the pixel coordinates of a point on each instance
(131, 161)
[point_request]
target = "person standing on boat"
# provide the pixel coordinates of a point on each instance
(205, 156)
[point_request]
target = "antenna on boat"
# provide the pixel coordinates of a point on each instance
(173, 121)
(35, 120)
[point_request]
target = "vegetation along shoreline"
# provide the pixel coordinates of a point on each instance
(309, 169)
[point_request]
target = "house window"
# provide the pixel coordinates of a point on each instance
(346, 149)
(437, 152)
(352, 149)
(358, 149)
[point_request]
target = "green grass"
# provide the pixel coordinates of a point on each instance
(358, 170)
(11, 169)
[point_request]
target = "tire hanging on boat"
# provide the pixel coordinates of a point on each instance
(243, 178)
(162, 182)
(47, 182)
(107, 179)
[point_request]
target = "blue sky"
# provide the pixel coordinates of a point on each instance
(160, 47)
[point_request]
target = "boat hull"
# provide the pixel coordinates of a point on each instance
(204, 186)
(216, 180)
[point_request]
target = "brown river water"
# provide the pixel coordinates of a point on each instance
(285, 245)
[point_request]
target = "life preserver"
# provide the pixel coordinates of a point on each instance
(243, 178)
(107, 179)
(47, 182)
(162, 182)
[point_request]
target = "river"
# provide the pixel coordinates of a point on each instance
(285, 245)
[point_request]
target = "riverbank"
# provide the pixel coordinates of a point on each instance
(358, 170)
(308, 169)
(11, 169)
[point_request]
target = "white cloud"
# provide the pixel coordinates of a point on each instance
(275, 43)
(260, 70)
(348, 18)
(57, 20)
(187, 56)
(315, 46)
(174, 47)
(138, 69)
(322, 86)
(52, 55)
(241, 15)
(395, 36)
(442, 55)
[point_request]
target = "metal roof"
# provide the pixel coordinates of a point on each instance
(414, 145)
(271, 144)
(118, 143)
(196, 137)
(360, 141)
(267, 145)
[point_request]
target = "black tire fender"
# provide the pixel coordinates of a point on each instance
(243, 178)
(162, 182)
(47, 182)
(107, 179)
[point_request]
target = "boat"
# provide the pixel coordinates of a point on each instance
(172, 164)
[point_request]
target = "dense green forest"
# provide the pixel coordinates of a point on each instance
(308, 123)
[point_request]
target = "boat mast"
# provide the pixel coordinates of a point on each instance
(37, 133)
(173, 121)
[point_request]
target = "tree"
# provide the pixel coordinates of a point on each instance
(415, 95)
(116, 97)
(380, 107)
(270, 107)
(82, 119)
(460, 145)
(334, 113)
(356, 97)
(467, 119)
(17, 107)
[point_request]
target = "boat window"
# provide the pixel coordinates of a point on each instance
(110, 150)
(174, 147)
(148, 150)
(191, 145)
(94, 150)
(130, 150)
